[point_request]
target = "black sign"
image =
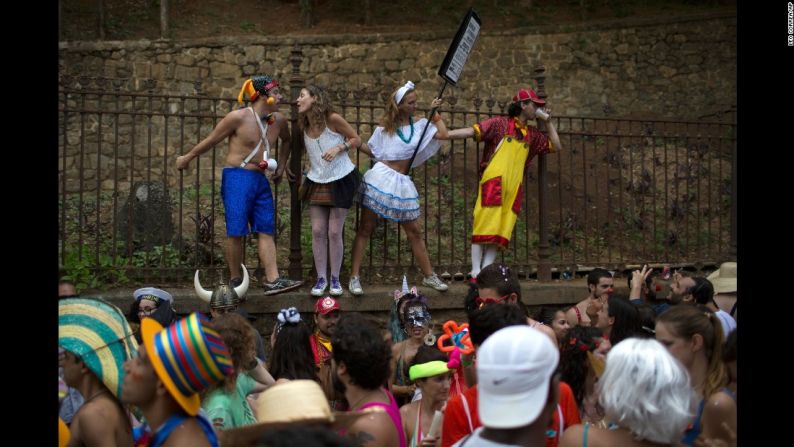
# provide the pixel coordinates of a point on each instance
(460, 48)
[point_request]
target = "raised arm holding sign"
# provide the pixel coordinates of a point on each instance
(455, 59)
(386, 191)
(400, 144)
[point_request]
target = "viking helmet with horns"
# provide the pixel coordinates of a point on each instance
(224, 295)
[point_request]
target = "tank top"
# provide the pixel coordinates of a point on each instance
(393, 412)
(321, 171)
(693, 431)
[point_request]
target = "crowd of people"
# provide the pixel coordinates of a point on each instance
(656, 367)
(149, 378)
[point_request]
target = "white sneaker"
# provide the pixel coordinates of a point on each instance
(355, 286)
(336, 287)
(435, 282)
(319, 287)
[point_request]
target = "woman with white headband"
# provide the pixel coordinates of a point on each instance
(387, 191)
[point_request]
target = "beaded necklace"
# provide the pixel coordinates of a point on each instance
(400, 133)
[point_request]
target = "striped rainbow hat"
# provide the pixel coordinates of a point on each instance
(188, 356)
(98, 333)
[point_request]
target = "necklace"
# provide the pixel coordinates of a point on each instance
(267, 117)
(400, 133)
(102, 391)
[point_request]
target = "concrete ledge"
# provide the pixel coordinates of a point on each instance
(376, 302)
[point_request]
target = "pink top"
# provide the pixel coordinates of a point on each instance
(394, 413)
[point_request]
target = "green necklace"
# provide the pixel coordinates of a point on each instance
(400, 133)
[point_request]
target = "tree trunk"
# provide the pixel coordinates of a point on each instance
(367, 12)
(101, 18)
(164, 7)
(307, 13)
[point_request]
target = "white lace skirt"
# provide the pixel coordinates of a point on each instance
(389, 194)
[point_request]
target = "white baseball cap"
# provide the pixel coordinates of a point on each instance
(514, 369)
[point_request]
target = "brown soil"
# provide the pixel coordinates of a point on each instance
(140, 19)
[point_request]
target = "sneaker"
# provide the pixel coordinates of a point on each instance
(355, 286)
(280, 285)
(235, 282)
(336, 287)
(435, 282)
(319, 287)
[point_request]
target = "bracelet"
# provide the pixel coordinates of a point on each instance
(346, 146)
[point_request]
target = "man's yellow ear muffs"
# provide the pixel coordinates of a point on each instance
(271, 100)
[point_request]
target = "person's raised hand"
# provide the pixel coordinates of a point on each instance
(182, 161)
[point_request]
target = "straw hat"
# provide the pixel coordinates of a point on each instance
(98, 333)
(188, 356)
(297, 402)
(724, 278)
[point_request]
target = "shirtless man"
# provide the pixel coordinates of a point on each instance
(164, 382)
(100, 421)
(585, 313)
(94, 339)
(247, 198)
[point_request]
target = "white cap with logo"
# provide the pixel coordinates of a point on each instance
(514, 367)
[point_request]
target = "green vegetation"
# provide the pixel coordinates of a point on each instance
(140, 19)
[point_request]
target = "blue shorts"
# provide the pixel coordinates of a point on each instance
(247, 200)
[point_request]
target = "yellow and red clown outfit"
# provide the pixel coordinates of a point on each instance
(510, 146)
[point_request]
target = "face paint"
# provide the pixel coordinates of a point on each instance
(417, 316)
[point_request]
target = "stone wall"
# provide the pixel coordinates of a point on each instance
(662, 67)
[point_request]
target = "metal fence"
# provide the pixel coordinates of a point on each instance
(619, 192)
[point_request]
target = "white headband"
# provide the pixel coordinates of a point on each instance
(401, 91)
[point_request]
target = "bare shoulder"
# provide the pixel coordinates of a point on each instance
(572, 437)
(546, 330)
(720, 405)
(408, 409)
(596, 437)
(336, 121)
(97, 422)
(395, 348)
(188, 433)
(335, 118)
(98, 413)
(373, 430)
(236, 116)
(279, 118)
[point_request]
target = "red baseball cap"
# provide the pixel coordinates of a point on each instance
(528, 94)
(326, 305)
